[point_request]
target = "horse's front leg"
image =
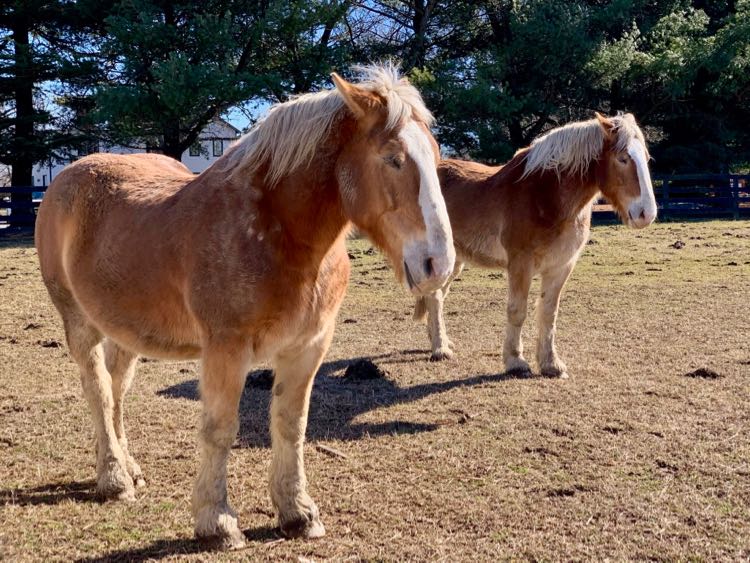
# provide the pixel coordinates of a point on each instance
(222, 380)
(547, 305)
(519, 281)
(294, 372)
(442, 346)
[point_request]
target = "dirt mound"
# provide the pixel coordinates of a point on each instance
(704, 373)
(364, 370)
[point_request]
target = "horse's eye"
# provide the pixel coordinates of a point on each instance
(623, 159)
(395, 160)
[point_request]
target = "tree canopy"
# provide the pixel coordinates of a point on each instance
(496, 73)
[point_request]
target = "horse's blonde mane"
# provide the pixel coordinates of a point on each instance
(289, 135)
(572, 147)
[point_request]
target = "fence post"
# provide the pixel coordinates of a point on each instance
(734, 182)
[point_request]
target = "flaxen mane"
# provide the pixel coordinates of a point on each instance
(289, 135)
(570, 149)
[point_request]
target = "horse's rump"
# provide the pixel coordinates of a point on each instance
(102, 221)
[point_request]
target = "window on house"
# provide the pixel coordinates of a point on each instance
(218, 147)
(195, 149)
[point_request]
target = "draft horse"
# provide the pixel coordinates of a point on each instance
(532, 216)
(243, 264)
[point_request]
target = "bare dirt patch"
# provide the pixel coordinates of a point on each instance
(628, 459)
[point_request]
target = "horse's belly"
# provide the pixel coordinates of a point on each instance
(484, 256)
(153, 339)
(151, 320)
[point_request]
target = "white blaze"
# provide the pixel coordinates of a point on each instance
(647, 202)
(439, 235)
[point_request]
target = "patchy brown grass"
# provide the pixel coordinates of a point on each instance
(632, 458)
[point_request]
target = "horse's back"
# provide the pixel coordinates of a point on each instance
(98, 189)
(455, 174)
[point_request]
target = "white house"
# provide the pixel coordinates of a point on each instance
(211, 144)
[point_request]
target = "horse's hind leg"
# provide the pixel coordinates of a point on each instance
(121, 365)
(546, 309)
(85, 343)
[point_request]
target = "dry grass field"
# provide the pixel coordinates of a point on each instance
(629, 459)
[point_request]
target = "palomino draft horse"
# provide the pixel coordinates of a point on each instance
(243, 264)
(533, 216)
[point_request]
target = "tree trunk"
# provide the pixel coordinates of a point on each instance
(172, 145)
(22, 161)
(515, 130)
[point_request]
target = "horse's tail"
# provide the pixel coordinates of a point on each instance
(420, 309)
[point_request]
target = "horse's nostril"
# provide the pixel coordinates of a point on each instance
(643, 214)
(428, 270)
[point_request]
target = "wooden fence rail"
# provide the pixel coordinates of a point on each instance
(19, 212)
(695, 196)
(678, 197)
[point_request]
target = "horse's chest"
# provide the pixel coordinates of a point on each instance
(304, 311)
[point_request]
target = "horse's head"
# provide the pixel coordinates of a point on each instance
(624, 176)
(388, 181)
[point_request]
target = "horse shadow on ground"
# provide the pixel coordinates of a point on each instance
(337, 400)
(50, 494)
(170, 548)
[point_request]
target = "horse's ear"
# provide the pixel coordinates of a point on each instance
(605, 122)
(359, 101)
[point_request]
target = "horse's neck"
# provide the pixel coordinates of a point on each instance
(301, 215)
(577, 192)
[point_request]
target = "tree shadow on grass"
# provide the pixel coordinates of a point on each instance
(50, 494)
(169, 548)
(337, 401)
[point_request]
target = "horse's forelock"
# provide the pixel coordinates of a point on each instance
(403, 100)
(626, 129)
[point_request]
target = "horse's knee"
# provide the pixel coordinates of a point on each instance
(219, 432)
(516, 313)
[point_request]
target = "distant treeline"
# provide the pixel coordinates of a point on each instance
(496, 73)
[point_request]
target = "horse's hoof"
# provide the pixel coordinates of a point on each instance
(556, 370)
(222, 543)
(302, 523)
(303, 528)
(107, 494)
(135, 473)
(517, 366)
(219, 529)
(441, 354)
(555, 373)
(115, 484)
